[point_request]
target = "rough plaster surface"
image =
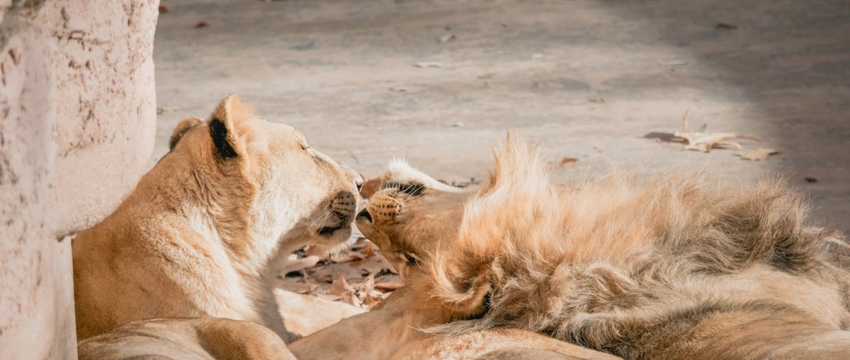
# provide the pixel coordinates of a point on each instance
(106, 103)
(36, 300)
(77, 120)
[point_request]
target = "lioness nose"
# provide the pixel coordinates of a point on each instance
(365, 215)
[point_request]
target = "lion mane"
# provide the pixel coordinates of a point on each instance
(671, 266)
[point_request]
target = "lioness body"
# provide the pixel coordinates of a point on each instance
(204, 232)
(388, 332)
(668, 268)
(186, 339)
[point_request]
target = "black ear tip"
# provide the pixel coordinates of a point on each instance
(172, 142)
(218, 132)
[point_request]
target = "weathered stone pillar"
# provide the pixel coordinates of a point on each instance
(105, 103)
(77, 122)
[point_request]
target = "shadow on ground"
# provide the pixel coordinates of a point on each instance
(587, 78)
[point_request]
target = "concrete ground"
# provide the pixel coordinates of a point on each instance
(587, 78)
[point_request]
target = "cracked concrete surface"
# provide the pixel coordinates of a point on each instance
(586, 78)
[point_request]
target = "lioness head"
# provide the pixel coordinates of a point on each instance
(263, 180)
(206, 230)
(399, 217)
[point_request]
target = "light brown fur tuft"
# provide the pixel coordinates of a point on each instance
(666, 267)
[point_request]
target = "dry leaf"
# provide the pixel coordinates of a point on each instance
(315, 251)
(704, 141)
(300, 264)
(351, 282)
(339, 287)
(163, 9)
(346, 257)
(725, 26)
(352, 299)
(367, 285)
(359, 244)
(201, 24)
(375, 265)
(758, 154)
(367, 294)
(429, 64)
(369, 250)
(446, 38)
(566, 162)
(388, 286)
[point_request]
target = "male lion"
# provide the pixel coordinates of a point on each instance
(673, 267)
(205, 230)
(393, 329)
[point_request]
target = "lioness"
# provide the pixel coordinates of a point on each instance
(673, 267)
(205, 230)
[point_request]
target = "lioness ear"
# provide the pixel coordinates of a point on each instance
(228, 127)
(181, 129)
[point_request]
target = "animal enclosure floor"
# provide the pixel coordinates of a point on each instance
(440, 82)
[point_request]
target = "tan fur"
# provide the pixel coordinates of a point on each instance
(672, 267)
(205, 231)
(397, 222)
(186, 339)
(390, 331)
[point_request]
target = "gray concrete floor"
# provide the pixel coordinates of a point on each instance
(586, 78)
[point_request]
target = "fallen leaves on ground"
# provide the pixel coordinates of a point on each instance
(296, 264)
(362, 294)
(361, 276)
(758, 154)
(705, 141)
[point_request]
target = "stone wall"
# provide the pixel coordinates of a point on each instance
(77, 122)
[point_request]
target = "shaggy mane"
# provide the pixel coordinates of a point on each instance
(591, 263)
